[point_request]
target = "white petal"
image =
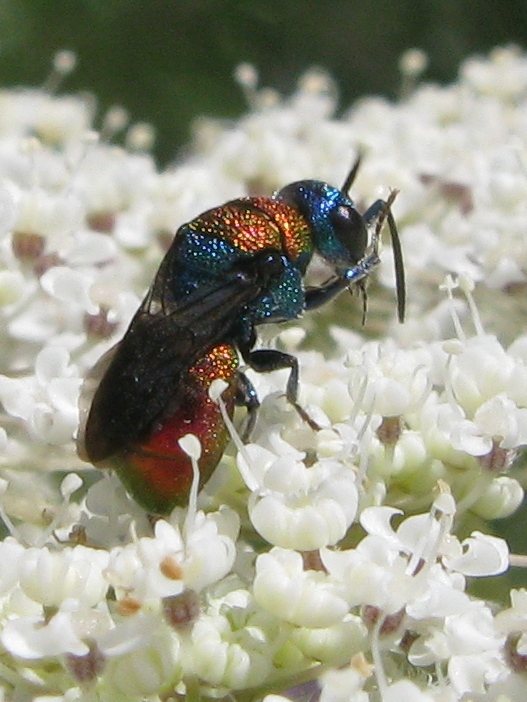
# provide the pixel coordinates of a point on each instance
(405, 691)
(305, 598)
(30, 639)
(376, 521)
(52, 362)
(482, 555)
(70, 287)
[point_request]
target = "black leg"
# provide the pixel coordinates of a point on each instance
(316, 297)
(373, 211)
(246, 397)
(266, 360)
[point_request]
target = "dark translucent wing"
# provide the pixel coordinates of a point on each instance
(159, 298)
(145, 373)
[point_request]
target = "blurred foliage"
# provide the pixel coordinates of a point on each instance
(167, 61)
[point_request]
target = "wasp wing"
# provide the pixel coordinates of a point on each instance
(143, 374)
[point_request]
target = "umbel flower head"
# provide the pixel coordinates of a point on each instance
(334, 563)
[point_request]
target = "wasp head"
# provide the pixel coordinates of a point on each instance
(338, 230)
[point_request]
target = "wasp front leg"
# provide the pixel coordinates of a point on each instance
(316, 297)
(356, 276)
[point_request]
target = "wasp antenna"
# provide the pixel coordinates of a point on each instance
(385, 215)
(350, 178)
(400, 284)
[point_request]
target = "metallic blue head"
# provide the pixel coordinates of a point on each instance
(339, 231)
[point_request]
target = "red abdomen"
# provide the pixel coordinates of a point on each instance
(157, 473)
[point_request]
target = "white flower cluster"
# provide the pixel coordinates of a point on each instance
(335, 563)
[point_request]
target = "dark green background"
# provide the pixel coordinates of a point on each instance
(167, 61)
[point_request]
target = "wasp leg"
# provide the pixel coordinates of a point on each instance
(316, 297)
(247, 397)
(266, 360)
(373, 211)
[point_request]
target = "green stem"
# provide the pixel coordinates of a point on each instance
(193, 689)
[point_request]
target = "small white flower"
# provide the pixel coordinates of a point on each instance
(436, 423)
(373, 574)
(166, 565)
(388, 381)
(501, 417)
(303, 597)
(53, 217)
(136, 570)
(475, 649)
(478, 555)
(152, 669)
(406, 691)
(471, 644)
(47, 401)
(224, 654)
(480, 372)
(12, 287)
(70, 287)
(51, 577)
(210, 548)
(90, 249)
(127, 634)
(31, 638)
(300, 507)
(334, 644)
(513, 621)
(440, 596)
(11, 554)
(343, 685)
(503, 75)
(396, 569)
(61, 119)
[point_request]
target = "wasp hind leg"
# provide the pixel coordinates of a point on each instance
(267, 360)
(247, 397)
